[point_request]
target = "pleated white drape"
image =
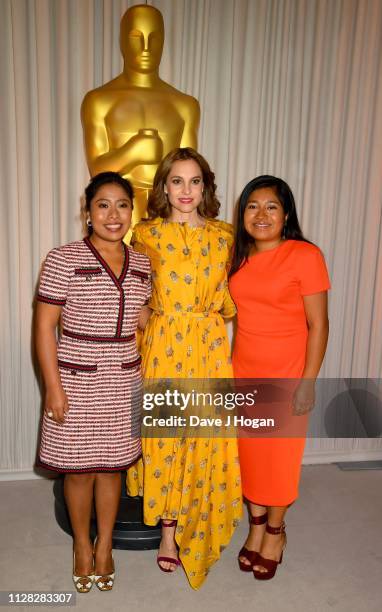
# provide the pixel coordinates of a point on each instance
(286, 87)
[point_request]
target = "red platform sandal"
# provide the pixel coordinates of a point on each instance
(168, 559)
(269, 564)
(250, 555)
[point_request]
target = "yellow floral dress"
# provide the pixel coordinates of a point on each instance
(194, 480)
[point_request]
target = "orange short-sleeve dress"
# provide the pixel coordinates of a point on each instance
(271, 343)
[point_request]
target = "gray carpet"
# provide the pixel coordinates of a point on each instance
(333, 560)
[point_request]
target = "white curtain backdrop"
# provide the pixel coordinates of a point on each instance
(286, 87)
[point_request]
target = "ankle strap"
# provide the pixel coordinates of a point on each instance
(275, 530)
(169, 523)
(259, 520)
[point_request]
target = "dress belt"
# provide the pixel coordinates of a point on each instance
(90, 338)
(197, 315)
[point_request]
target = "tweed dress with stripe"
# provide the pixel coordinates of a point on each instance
(98, 358)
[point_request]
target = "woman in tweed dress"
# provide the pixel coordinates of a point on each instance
(99, 289)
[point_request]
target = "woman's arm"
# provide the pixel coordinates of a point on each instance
(316, 311)
(47, 317)
(144, 316)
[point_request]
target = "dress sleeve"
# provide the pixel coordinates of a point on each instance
(54, 279)
(137, 242)
(225, 239)
(139, 246)
(228, 309)
(313, 274)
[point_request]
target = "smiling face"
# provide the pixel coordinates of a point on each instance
(264, 217)
(184, 186)
(142, 37)
(110, 213)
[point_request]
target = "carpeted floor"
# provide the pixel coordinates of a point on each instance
(333, 560)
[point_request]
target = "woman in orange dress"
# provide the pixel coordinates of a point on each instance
(279, 283)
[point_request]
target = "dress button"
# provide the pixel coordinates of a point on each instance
(88, 278)
(74, 372)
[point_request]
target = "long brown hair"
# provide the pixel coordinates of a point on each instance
(158, 204)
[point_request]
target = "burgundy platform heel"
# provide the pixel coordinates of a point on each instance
(269, 564)
(250, 555)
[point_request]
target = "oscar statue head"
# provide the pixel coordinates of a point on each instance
(141, 38)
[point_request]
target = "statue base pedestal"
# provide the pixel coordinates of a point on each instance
(130, 533)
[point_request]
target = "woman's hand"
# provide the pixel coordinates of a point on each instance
(56, 404)
(304, 396)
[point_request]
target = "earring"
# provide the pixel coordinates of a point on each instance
(89, 223)
(284, 230)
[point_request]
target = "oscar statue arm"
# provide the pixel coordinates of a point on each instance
(190, 111)
(142, 148)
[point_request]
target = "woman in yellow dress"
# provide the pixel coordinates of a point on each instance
(191, 484)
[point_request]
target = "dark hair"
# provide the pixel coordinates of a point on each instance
(105, 178)
(158, 204)
(292, 230)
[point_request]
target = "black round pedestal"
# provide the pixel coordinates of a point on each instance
(130, 533)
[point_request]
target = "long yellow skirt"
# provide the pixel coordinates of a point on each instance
(193, 480)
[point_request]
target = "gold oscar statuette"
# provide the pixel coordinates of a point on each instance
(133, 121)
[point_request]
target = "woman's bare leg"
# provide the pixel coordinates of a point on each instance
(78, 491)
(272, 545)
(107, 496)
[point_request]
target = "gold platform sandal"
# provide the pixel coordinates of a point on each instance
(83, 583)
(105, 582)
